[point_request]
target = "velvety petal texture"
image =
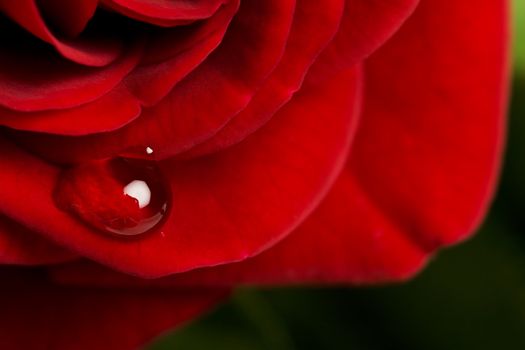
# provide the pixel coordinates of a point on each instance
(255, 174)
(412, 183)
(71, 18)
(441, 149)
(352, 236)
(300, 141)
(32, 85)
(164, 12)
(87, 52)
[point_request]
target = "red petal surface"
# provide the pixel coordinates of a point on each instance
(346, 240)
(430, 145)
(206, 99)
(366, 25)
(109, 112)
(412, 184)
(358, 35)
(194, 125)
(91, 52)
(250, 196)
(422, 169)
(85, 319)
(168, 58)
(20, 246)
(172, 54)
(165, 12)
(71, 17)
(423, 166)
(34, 80)
(313, 28)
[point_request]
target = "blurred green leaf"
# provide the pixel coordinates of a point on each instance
(247, 322)
(519, 35)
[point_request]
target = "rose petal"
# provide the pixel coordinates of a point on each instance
(346, 240)
(179, 51)
(250, 196)
(165, 13)
(357, 37)
(202, 102)
(429, 152)
(353, 42)
(366, 25)
(326, 248)
(71, 17)
(98, 52)
(172, 54)
(70, 318)
(109, 112)
(20, 246)
(36, 80)
(423, 167)
(313, 28)
(422, 170)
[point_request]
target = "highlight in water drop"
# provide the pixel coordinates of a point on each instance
(121, 196)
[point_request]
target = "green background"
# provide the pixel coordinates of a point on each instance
(470, 297)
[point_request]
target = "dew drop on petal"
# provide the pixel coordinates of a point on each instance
(122, 196)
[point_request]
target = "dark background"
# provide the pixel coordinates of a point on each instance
(470, 296)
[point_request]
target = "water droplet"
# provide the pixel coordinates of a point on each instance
(122, 196)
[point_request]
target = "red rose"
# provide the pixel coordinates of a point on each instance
(293, 141)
